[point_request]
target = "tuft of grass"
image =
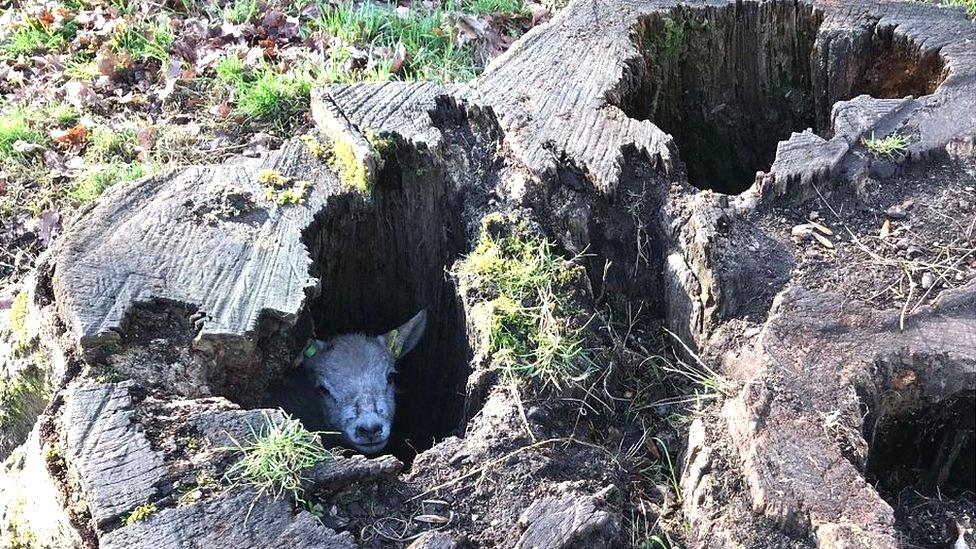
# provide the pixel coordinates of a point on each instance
(892, 146)
(239, 11)
(266, 94)
(106, 144)
(144, 43)
(33, 37)
(273, 461)
(526, 304)
(63, 114)
(489, 7)
(425, 36)
(23, 397)
(14, 127)
(102, 176)
(140, 513)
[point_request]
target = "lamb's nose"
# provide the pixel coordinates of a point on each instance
(369, 431)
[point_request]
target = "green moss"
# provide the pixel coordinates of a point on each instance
(352, 173)
(283, 190)
(18, 320)
(140, 513)
(525, 303)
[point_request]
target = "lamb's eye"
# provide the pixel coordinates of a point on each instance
(323, 390)
(391, 377)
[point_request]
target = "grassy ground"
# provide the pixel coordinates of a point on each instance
(93, 92)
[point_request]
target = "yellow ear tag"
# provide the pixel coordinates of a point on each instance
(391, 343)
(310, 350)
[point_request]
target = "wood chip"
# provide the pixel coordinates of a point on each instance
(885, 229)
(801, 230)
(823, 240)
(821, 228)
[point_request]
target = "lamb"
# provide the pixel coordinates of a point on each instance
(353, 375)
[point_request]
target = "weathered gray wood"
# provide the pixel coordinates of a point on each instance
(157, 240)
(568, 521)
(240, 520)
(116, 467)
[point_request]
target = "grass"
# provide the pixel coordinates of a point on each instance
(140, 513)
(274, 459)
(102, 176)
(32, 37)
(892, 146)
(970, 5)
(147, 42)
(14, 127)
(23, 397)
(489, 7)
(431, 50)
(266, 94)
(525, 304)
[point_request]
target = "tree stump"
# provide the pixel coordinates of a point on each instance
(709, 159)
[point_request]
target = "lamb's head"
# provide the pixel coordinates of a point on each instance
(354, 377)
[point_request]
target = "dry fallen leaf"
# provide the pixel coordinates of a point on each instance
(885, 229)
(802, 230)
(74, 135)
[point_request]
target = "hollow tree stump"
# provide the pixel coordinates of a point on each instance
(610, 128)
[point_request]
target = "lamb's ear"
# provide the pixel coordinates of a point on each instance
(400, 341)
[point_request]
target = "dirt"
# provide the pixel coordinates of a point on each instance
(931, 233)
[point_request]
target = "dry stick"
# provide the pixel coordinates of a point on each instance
(521, 409)
(904, 308)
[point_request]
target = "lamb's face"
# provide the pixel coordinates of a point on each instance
(353, 374)
(354, 377)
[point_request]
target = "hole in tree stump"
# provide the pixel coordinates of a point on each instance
(729, 83)
(922, 459)
(380, 261)
(931, 448)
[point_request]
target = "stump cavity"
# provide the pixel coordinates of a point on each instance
(729, 83)
(380, 260)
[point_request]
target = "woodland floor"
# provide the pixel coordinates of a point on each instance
(93, 92)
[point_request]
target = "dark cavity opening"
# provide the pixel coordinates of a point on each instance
(930, 448)
(379, 262)
(729, 83)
